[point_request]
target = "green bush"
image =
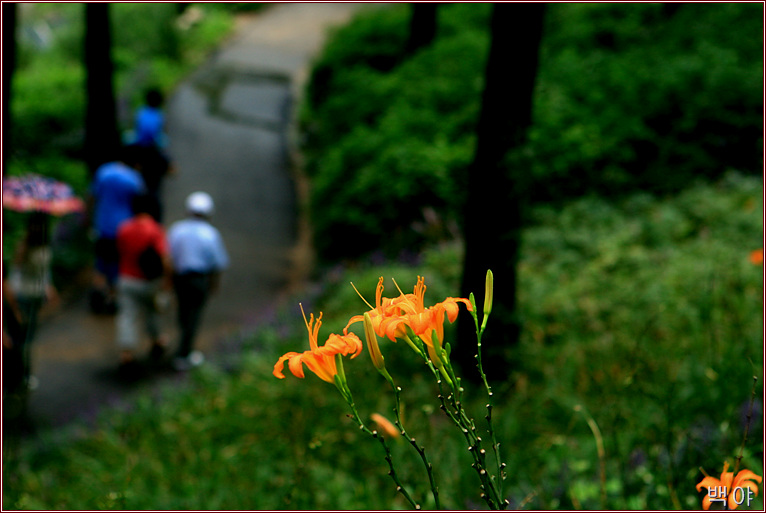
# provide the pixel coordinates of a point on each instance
(48, 109)
(629, 97)
(383, 144)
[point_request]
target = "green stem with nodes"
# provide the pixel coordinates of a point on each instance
(495, 444)
(380, 364)
(421, 450)
(340, 383)
(456, 413)
(488, 300)
(392, 471)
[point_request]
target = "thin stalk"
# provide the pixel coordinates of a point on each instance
(490, 493)
(421, 450)
(599, 448)
(747, 427)
(392, 472)
(493, 436)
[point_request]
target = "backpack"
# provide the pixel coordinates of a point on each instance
(150, 263)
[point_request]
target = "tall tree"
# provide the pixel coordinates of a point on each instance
(101, 134)
(422, 26)
(9, 66)
(493, 215)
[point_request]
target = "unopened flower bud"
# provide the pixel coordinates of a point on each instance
(372, 343)
(488, 292)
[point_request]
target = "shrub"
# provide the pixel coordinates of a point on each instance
(628, 97)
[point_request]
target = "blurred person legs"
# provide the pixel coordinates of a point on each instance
(136, 299)
(103, 298)
(192, 290)
(30, 281)
(13, 345)
(30, 310)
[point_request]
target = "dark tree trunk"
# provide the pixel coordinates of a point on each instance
(422, 26)
(101, 134)
(493, 215)
(9, 66)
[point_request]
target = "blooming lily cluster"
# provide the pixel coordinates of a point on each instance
(321, 360)
(404, 318)
(401, 318)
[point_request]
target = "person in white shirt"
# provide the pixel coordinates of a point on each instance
(198, 256)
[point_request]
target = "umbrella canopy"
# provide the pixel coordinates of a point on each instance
(35, 193)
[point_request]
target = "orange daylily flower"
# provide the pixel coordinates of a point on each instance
(377, 313)
(319, 359)
(389, 316)
(756, 257)
(728, 484)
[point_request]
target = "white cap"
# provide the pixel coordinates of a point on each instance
(200, 203)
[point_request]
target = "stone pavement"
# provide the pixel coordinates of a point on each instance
(230, 130)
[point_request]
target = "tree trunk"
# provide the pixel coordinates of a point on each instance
(422, 26)
(102, 137)
(9, 66)
(493, 215)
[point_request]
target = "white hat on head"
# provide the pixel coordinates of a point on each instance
(200, 203)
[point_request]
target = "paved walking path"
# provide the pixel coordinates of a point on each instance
(230, 132)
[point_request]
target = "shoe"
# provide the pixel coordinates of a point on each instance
(185, 363)
(32, 383)
(196, 358)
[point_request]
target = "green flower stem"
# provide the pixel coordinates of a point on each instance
(392, 472)
(479, 333)
(457, 414)
(421, 450)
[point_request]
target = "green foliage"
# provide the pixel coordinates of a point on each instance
(646, 313)
(632, 96)
(384, 142)
(629, 97)
(44, 122)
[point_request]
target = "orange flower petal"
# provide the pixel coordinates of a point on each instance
(280, 365)
(745, 476)
(295, 364)
(708, 482)
(451, 306)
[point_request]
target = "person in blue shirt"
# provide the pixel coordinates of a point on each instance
(114, 186)
(149, 137)
(198, 257)
(150, 121)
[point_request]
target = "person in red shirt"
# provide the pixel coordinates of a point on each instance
(143, 255)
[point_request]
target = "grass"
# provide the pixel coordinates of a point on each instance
(642, 334)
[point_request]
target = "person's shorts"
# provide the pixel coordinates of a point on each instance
(107, 258)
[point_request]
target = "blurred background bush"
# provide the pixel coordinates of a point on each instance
(650, 97)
